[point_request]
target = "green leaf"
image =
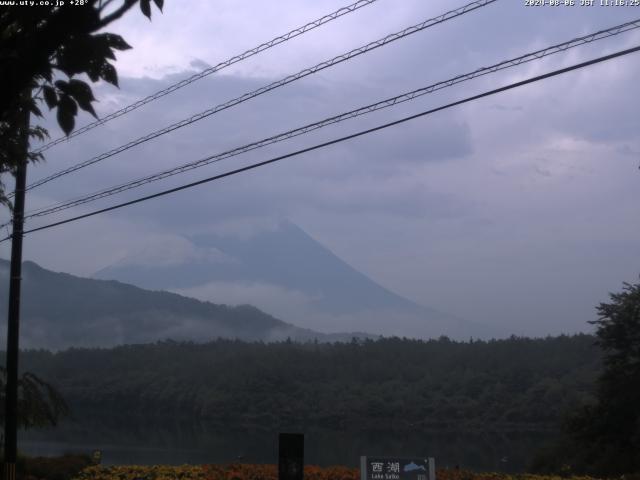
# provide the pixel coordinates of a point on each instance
(66, 102)
(159, 4)
(81, 91)
(86, 54)
(83, 95)
(38, 132)
(100, 48)
(115, 41)
(33, 108)
(62, 86)
(108, 53)
(66, 121)
(75, 57)
(87, 107)
(67, 110)
(50, 96)
(93, 71)
(145, 6)
(46, 74)
(109, 74)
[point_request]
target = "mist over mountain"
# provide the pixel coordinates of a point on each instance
(285, 272)
(59, 310)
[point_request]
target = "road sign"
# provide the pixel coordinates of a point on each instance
(397, 468)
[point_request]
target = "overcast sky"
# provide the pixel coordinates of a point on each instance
(519, 210)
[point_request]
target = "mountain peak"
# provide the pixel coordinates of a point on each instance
(283, 270)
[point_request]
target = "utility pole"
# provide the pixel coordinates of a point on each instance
(13, 323)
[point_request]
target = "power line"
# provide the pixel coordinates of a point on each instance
(536, 55)
(284, 81)
(227, 63)
(339, 140)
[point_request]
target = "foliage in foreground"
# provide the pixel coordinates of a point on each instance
(50, 468)
(39, 403)
(42, 45)
(603, 438)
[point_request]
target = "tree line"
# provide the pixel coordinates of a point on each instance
(588, 387)
(387, 384)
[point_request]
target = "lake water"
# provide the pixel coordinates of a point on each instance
(142, 441)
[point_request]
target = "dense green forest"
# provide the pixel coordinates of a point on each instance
(517, 384)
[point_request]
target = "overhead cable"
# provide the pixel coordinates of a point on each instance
(398, 99)
(267, 88)
(338, 140)
(208, 71)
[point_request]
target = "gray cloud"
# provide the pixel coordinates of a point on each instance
(517, 210)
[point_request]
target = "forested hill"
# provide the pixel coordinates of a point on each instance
(61, 310)
(395, 384)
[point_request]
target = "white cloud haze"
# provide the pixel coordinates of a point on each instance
(519, 210)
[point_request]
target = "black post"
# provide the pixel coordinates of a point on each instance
(291, 456)
(13, 323)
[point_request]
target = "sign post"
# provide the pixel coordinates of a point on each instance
(96, 457)
(395, 468)
(290, 456)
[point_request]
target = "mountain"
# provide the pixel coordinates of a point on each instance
(284, 271)
(59, 310)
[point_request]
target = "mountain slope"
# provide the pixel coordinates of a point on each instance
(287, 257)
(286, 261)
(61, 310)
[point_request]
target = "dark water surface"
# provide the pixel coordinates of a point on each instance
(139, 441)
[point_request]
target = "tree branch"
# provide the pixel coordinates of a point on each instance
(103, 5)
(117, 13)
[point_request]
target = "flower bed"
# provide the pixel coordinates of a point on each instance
(269, 472)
